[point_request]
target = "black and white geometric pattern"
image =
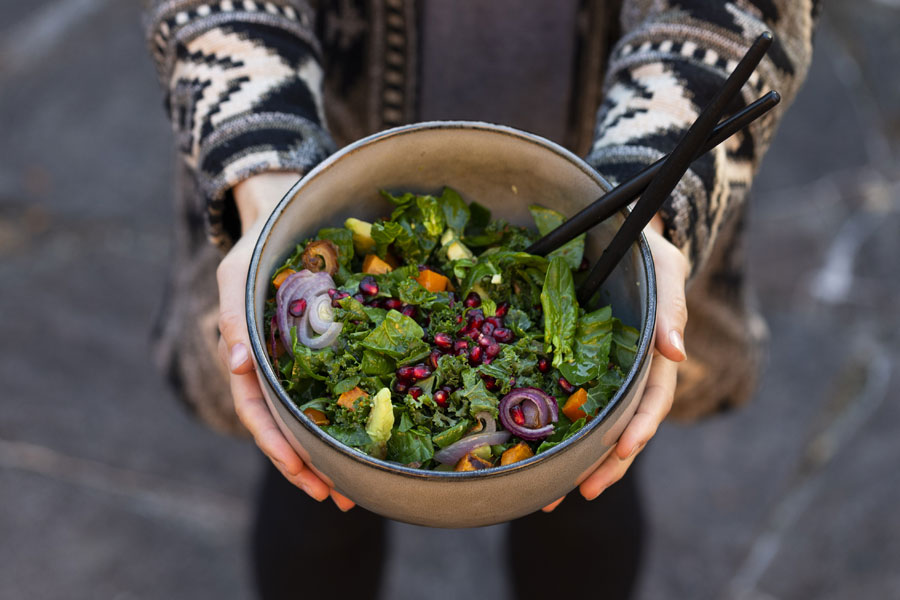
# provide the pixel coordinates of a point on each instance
(244, 95)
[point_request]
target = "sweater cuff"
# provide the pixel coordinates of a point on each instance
(243, 92)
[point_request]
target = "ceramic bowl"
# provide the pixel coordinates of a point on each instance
(505, 170)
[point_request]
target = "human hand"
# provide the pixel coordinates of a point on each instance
(671, 317)
(255, 199)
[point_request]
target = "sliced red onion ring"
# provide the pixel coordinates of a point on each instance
(455, 451)
(321, 316)
(312, 287)
(539, 409)
(316, 343)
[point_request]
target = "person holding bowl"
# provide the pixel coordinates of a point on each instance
(260, 92)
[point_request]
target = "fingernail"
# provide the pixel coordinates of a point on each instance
(676, 340)
(238, 355)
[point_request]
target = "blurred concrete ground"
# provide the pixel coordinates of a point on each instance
(110, 491)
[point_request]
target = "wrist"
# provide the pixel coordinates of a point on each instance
(257, 196)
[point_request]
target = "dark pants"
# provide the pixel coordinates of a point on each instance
(580, 550)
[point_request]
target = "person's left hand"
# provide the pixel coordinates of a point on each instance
(671, 318)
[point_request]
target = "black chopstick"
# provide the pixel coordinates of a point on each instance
(620, 196)
(672, 170)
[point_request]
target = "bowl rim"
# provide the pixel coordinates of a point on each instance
(264, 365)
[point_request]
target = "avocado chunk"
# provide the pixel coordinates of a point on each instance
(381, 418)
(363, 242)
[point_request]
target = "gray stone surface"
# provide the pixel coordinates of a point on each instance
(110, 491)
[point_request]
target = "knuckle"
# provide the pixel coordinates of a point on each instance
(229, 325)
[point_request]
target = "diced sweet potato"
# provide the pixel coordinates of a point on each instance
(471, 462)
(520, 451)
(431, 281)
(375, 266)
(316, 416)
(572, 407)
(279, 279)
(348, 398)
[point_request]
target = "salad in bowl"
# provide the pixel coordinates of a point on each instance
(431, 339)
(411, 351)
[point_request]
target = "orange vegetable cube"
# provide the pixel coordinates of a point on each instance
(375, 266)
(348, 398)
(572, 407)
(471, 462)
(316, 416)
(520, 451)
(279, 279)
(431, 281)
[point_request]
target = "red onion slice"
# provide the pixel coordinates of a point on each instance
(539, 409)
(316, 343)
(455, 451)
(309, 286)
(321, 316)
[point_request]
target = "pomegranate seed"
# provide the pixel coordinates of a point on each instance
(503, 335)
(421, 372)
(476, 322)
(460, 347)
(495, 321)
(406, 373)
(475, 313)
(459, 319)
(297, 307)
(401, 387)
(443, 341)
(434, 357)
(502, 309)
(359, 298)
(487, 328)
(566, 386)
(512, 382)
(368, 286)
(338, 297)
(473, 300)
(476, 355)
(492, 350)
(489, 382)
(441, 397)
(517, 415)
(332, 292)
(393, 303)
(485, 340)
(543, 365)
(415, 391)
(409, 310)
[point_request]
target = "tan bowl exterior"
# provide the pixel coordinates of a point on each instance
(504, 170)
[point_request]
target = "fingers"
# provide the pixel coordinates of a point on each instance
(655, 405)
(653, 408)
(232, 278)
(253, 412)
(342, 502)
(671, 317)
(550, 507)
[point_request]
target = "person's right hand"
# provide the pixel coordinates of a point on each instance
(255, 198)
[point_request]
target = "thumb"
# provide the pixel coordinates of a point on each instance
(671, 312)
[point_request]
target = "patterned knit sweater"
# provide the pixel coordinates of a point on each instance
(276, 85)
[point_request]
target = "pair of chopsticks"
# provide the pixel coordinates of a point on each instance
(658, 180)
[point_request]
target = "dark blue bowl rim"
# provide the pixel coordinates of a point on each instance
(261, 357)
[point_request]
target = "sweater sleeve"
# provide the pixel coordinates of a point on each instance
(671, 59)
(242, 82)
